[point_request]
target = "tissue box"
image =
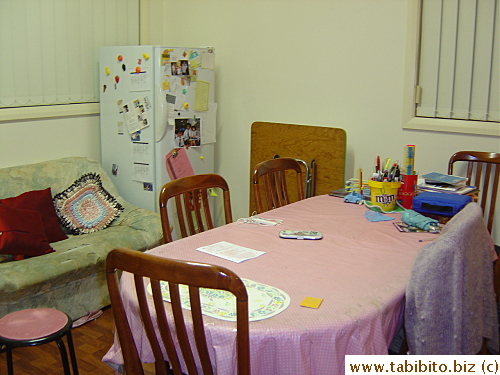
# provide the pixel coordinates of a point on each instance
(440, 203)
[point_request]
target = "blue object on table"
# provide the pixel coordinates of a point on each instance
(354, 197)
(415, 219)
(440, 203)
(376, 216)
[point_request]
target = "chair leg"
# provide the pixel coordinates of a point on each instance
(10, 365)
(72, 355)
(64, 356)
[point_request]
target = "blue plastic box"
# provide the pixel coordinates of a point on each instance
(440, 203)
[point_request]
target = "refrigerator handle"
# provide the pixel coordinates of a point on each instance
(161, 116)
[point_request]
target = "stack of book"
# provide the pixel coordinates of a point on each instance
(446, 183)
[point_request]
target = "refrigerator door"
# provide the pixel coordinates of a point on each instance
(181, 75)
(147, 93)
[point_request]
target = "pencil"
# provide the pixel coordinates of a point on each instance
(426, 239)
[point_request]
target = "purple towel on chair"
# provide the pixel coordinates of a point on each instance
(450, 302)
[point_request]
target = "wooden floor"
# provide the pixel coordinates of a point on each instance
(92, 341)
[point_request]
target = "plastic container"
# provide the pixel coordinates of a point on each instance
(384, 194)
(408, 190)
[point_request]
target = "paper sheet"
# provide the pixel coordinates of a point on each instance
(229, 251)
(140, 80)
(201, 96)
(142, 172)
(208, 131)
(135, 114)
(141, 152)
(208, 60)
(178, 164)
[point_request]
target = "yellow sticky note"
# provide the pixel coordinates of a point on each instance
(311, 302)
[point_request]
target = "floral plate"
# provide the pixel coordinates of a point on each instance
(264, 301)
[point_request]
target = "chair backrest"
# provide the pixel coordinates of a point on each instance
(270, 181)
(192, 204)
(483, 171)
(174, 272)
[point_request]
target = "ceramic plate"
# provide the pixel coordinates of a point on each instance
(264, 301)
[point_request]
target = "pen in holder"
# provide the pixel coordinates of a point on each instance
(384, 194)
(408, 190)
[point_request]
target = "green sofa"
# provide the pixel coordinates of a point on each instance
(72, 278)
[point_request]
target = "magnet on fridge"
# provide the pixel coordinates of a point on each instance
(137, 69)
(202, 157)
(117, 79)
(146, 56)
(120, 58)
(107, 71)
(186, 105)
(104, 87)
(124, 67)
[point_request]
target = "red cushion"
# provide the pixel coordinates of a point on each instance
(41, 201)
(22, 232)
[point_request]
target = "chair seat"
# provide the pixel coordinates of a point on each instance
(32, 327)
(31, 324)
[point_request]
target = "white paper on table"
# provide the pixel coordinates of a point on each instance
(229, 251)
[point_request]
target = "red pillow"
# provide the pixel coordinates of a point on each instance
(22, 232)
(41, 201)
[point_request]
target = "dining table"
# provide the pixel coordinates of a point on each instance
(355, 276)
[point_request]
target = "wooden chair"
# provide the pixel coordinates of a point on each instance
(192, 204)
(273, 175)
(450, 306)
(483, 171)
(175, 272)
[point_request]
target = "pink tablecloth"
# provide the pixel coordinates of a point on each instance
(359, 268)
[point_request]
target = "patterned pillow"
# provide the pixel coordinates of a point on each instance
(85, 206)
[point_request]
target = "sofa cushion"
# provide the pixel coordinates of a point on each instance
(22, 232)
(41, 201)
(85, 206)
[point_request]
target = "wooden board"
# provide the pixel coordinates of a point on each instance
(327, 146)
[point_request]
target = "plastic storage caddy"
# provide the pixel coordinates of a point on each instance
(384, 194)
(440, 203)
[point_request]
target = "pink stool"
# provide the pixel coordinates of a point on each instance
(33, 327)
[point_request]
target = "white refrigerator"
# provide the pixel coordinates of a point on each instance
(158, 117)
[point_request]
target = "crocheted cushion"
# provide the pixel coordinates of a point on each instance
(85, 206)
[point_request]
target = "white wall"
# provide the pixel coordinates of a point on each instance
(31, 141)
(337, 63)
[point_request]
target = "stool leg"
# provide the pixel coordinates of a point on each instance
(64, 356)
(10, 365)
(72, 355)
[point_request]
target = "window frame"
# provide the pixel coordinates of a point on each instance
(410, 120)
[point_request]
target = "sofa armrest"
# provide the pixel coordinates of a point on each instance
(142, 220)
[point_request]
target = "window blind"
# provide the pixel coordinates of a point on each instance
(458, 76)
(50, 48)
